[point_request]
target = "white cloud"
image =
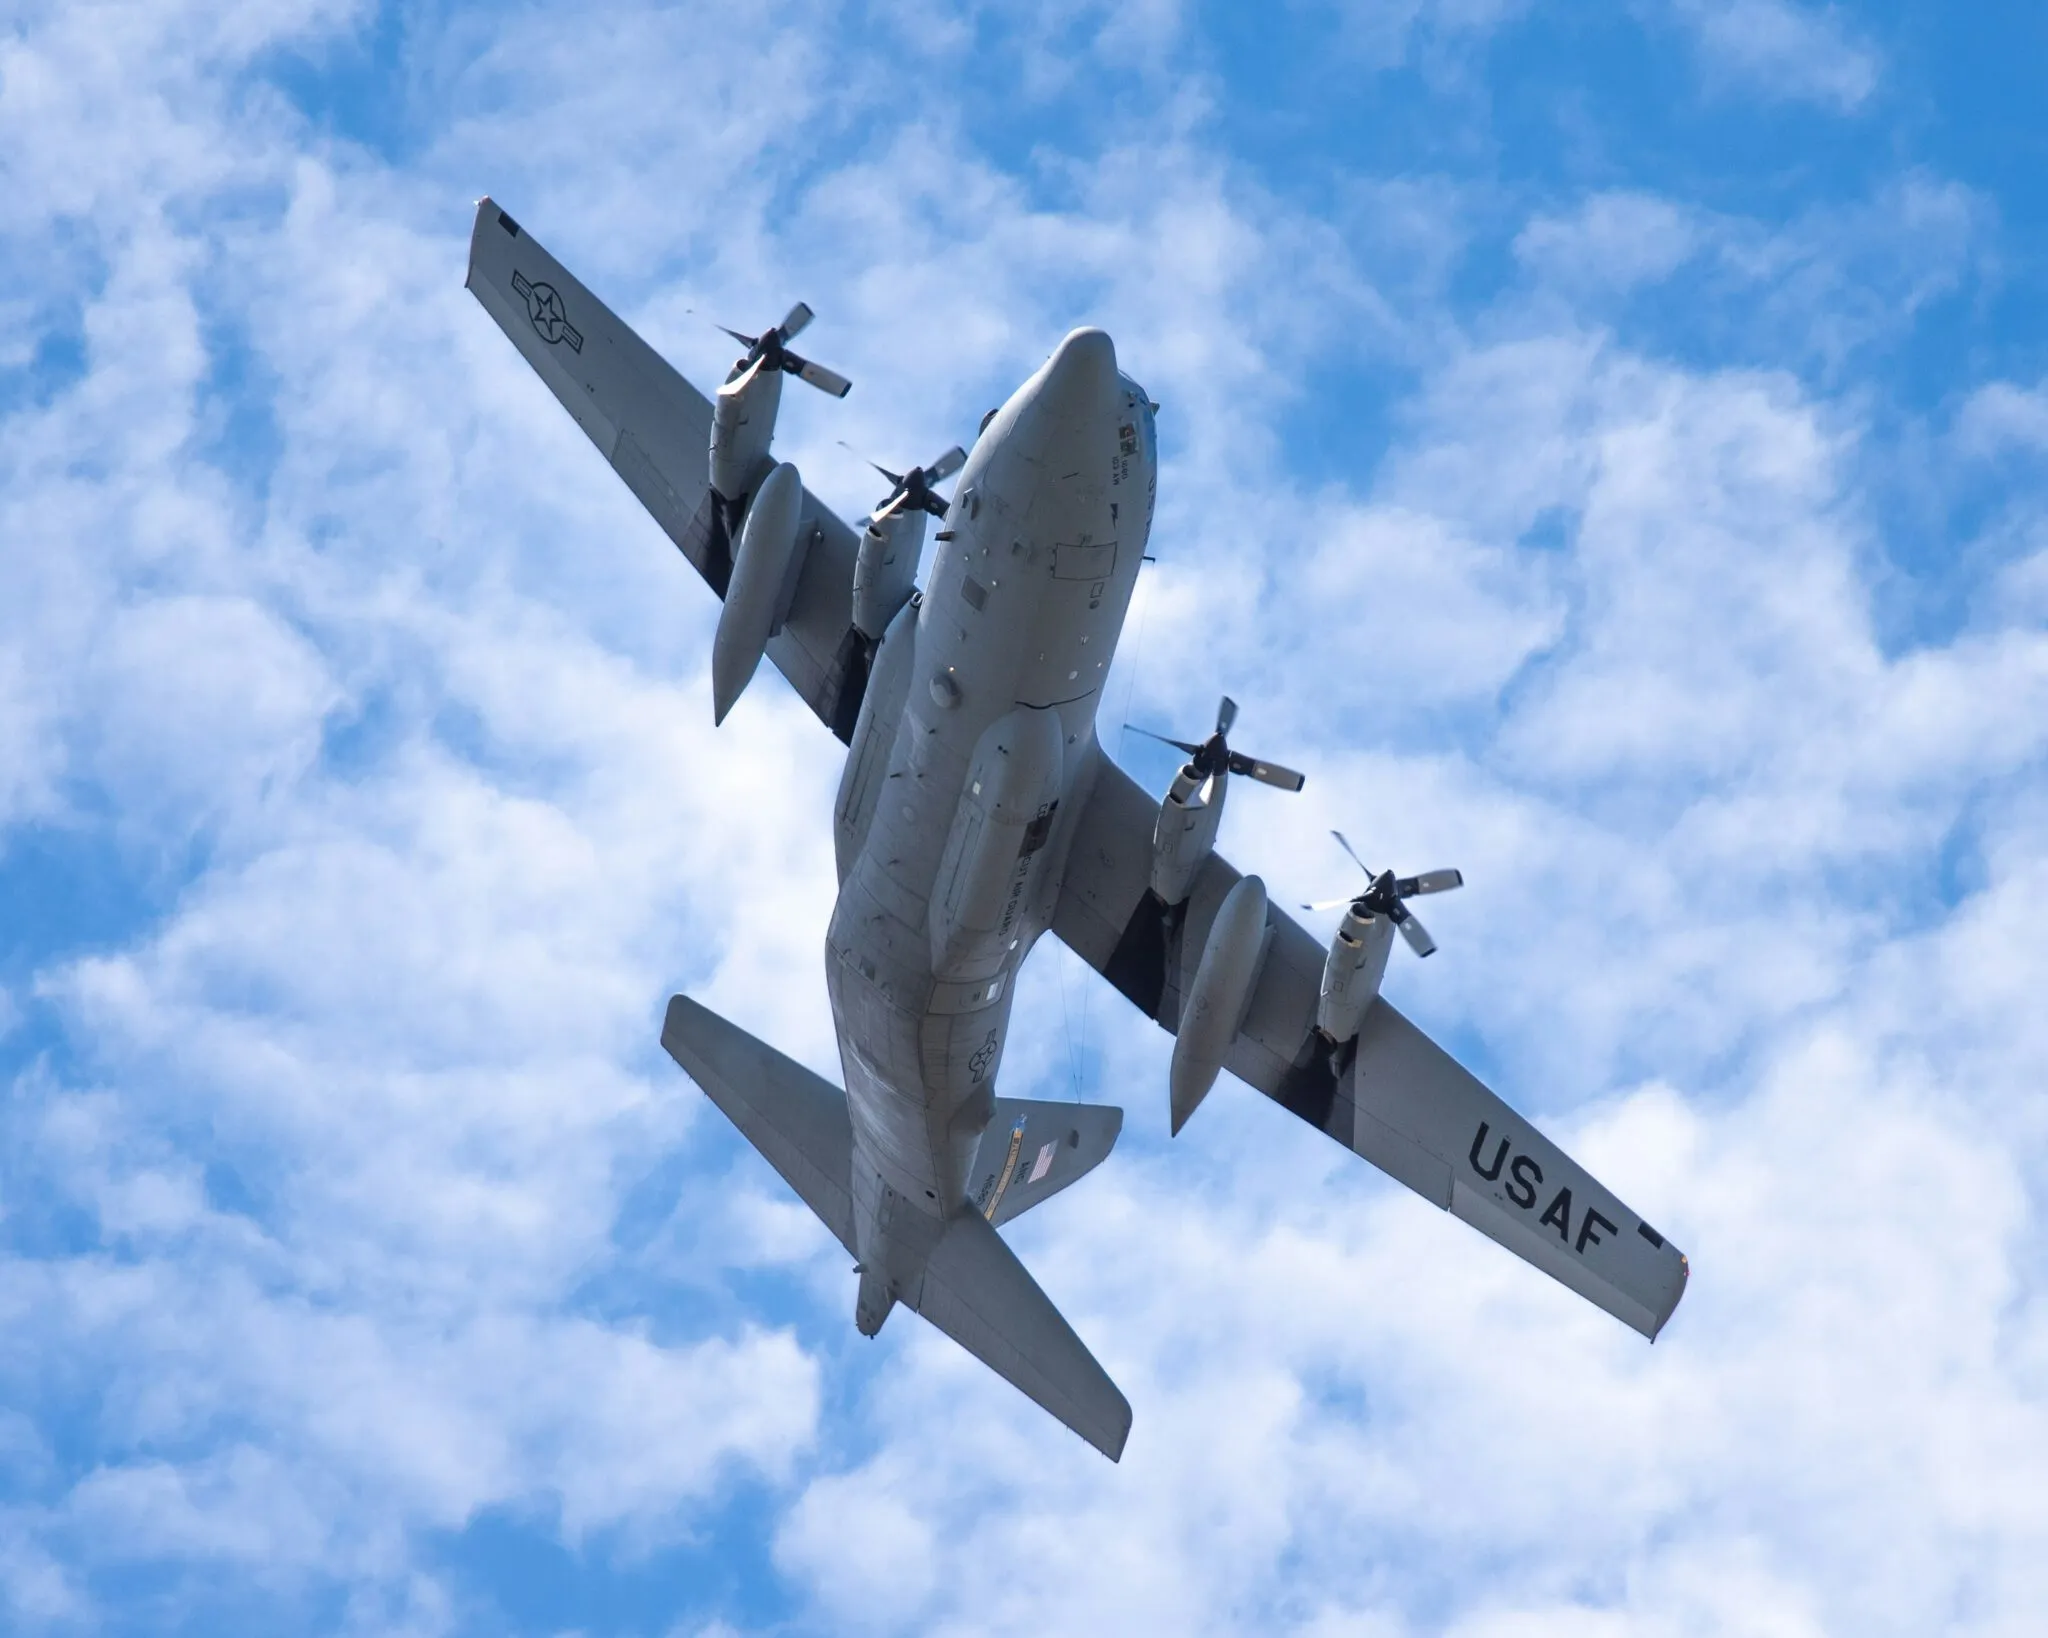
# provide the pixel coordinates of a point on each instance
(313, 1210)
(857, 1539)
(1389, 32)
(2001, 417)
(1819, 293)
(1616, 240)
(218, 705)
(1784, 50)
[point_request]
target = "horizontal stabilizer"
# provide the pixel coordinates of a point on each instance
(978, 1293)
(971, 1287)
(797, 1120)
(1032, 1150)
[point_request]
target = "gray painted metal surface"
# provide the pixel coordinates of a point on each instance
(976, 811)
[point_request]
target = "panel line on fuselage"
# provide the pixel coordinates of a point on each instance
(962, 842)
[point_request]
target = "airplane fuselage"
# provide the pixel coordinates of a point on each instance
(968, 768)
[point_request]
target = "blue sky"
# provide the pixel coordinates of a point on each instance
(1603, 445)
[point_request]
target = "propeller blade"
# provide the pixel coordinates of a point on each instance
(1430, 881)
(738, 383)
(1417, 935)
(1226, 715)
(792, 326)
(946, 465)
(1346, 846)
(1177, 744)
(1266, 773)
(817, 375)
(1329, 904)
(890, 508)
(745, 341)
(933, 504)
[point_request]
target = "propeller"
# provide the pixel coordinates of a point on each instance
(1385, 895)
(770, 351)
(1214, 755)
(913, 488)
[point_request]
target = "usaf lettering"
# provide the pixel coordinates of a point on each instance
(1525, 1176)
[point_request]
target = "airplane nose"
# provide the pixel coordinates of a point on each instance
(1085, 349)
(1080, 378)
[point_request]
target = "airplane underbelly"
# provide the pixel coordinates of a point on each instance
(920, 1078)
(957, 805)
(920, 962)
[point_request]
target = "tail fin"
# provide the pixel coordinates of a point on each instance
(1032, 1150)
(972, 1286)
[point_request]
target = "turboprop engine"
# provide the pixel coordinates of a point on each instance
(765, 567)
(1217, 1001)
(743, 413)
(1193, 807)
(885, 571)
(1352, 972)
(1004, 818)
(1357, 961)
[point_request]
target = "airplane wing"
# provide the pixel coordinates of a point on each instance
(1402, 1101)
(655, 429)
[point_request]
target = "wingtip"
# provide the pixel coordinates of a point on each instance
(1113, 1437)
(1684, 1279)
(675, 1025)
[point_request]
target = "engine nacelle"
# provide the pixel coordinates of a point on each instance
(885, 571)
(1185, 835)
(874, 735)
(742, 427)
(765, 566)
(1352, 972)
(1216, 1003)
(1003, 821)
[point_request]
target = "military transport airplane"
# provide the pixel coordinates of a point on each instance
(976, 811)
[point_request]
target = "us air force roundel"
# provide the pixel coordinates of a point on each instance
(544, 307)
